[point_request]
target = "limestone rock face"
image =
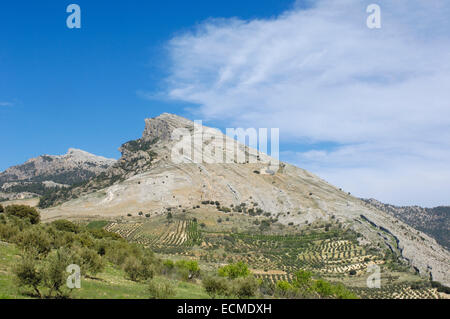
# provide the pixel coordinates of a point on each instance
(161, 170)
(161, 127)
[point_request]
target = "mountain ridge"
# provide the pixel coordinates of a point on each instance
(49, 171)
(434, 221)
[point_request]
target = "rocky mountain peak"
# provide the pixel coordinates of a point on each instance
(78, 155)
(39, 173)
(161, 127)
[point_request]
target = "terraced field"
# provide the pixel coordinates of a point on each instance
(333, 253)
(398, 291)
(179, 233)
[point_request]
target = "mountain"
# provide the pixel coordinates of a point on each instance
(432, 221)
(39, 174)
(153, 176)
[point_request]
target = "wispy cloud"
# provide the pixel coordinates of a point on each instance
(322, 76)
(6, 104)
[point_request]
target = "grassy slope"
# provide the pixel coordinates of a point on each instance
(111, 283)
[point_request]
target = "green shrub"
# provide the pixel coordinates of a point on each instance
(66, 226)
(23, 211)
(27, 274)
(245, 287)
(54, 272)
(168, 266)
(138, 269)
(303, 280)
(160, 290)
(34, 240)
(188, 269)
(323, 288)
(233, 271)
(90, 261)
(216, 286)
(285, 289)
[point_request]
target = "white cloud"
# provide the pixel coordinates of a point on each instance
(6, 104)
(322, 76)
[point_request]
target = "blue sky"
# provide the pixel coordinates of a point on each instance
(80, 88)
(365, 109)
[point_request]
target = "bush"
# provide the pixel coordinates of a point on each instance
(28, 275)
(215, 286)
(24, 212)
(54, 272)
(66, 226)
(1, 209)
(168, 266)
(303, 280)
(34, 240)
(245, 287)
(90, 261)
(188, 269)
(159, 290)
(233, 271)
(138, 269)
(285, 289)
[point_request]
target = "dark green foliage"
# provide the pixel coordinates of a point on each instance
(34, 240)
(27, 274)
(139, 269)
(65, 225)
(35, 188)
(440, 287)
(216, 286)
(245, 287)
(24, 212)
(139, 145)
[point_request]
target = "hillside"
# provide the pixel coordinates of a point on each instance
(43, 173)
(152, 179)
(434, 222)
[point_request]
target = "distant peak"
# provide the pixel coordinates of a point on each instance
(76, 151)
(83, 155)
(162, 126)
